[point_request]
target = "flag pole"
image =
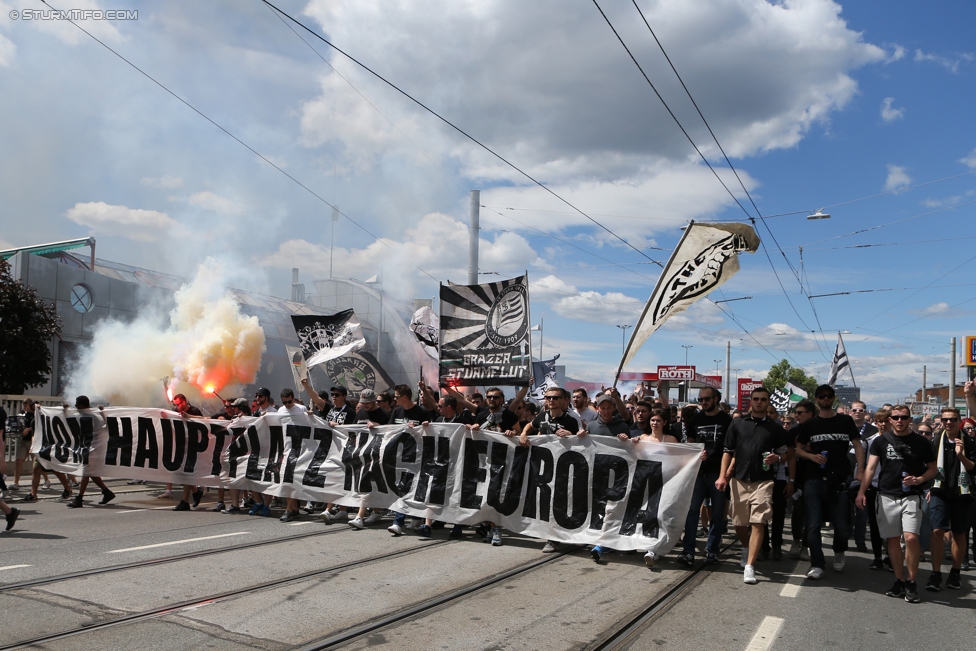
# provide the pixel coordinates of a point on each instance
(850, 364)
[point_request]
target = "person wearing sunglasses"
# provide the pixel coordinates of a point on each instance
(907, 461)
(823, 443)
(950, 498)
(859, 412)
(757, 443)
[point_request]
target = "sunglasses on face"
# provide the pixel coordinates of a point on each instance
(857, 411)
(900, 417)
(288, 403)
(825, 397)
(950, 420)
(495, 398)
(969, 429)
(552, 397)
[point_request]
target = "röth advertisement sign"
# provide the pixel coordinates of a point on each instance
(676, 372)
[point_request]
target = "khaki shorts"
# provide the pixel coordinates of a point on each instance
(897, 515)
(23, 448)
(752, 502)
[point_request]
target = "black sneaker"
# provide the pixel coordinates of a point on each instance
(935, 582)
(685, 559)
(75, 503)
(777, 554)
(711, 559)
(861, 547)
(12, 517)
(887, 564)
(897, 590)
(456, 531)
(953, 581)
(911, 592)
(219, 507)
(107, 496)
(30, 497)
(876, 564)
(197, 496)
(66, 495)
(182, 506)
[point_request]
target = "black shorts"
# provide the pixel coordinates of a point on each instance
(957, 513)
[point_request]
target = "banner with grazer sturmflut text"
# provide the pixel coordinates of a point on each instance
(584, 490)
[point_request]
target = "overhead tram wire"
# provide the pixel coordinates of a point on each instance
(235, 138)
(458, 129)
(420, 149)
(897, 221)
(709, 165)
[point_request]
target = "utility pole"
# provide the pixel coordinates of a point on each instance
(924, 397)
(335, 218)
(728, 372)
(952, 373)
(474, 233)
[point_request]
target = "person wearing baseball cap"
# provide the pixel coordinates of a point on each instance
(369, 410)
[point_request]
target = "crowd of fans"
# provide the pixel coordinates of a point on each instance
(879, 478)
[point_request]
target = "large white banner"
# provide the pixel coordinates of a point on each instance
(593, 490)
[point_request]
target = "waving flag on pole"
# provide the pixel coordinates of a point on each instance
(326, 337)
(545, 378)
(706, 256)
(839, 363)
(424, 325)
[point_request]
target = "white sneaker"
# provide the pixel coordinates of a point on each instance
(840, 560)
(549, 547)
(374, 516)
(749, 575)
(326, 517)
(649, 559)
(357, 523)
(395, 529)
(744, 561)
(815, 573)
(47, 485)
(496, 537)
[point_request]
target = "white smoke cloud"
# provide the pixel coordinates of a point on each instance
(206, 345)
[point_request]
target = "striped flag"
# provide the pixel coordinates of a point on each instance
(840, 361)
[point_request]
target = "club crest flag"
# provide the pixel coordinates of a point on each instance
(424, 326)
(358, 371)
(484, 333)
(706, 256)
(780, 400)
(839, 363)
(327, 337)
(545, 378)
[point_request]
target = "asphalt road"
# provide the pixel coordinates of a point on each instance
(257, 583)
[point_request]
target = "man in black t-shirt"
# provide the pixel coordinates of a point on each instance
(822, 444)
(447, 407)
(369, 412)
(951, 498)
(859, 412)
(406, 412)
(555, 420)
(708, 428)
(757, 443)
(907, 462)
(342, 413)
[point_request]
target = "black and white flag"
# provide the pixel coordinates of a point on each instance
(839, 363)
(545, 378)
(326, 337)
(706, 256)
(425, 327)
(484, 333)
(780, 400)
(358, 371)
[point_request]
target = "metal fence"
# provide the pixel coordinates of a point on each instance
(12, 405)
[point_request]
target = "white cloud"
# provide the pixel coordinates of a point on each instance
(897, 54)
(582, 110)
(164, 182)
(969, 160)
(216, 203)
(437, 244)
(936, 309)
(897, 178)
(131, 223)
(7, 47)
(949, 63)
(888, 112)
(570, 303)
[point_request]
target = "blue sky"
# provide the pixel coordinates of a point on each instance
(819, 105)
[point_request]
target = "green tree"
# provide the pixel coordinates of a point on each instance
(27, 325)
(783, 372)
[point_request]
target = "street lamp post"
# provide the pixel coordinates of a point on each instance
(623, 338)
(686, 347)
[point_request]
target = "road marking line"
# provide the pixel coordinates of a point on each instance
(792, 587)
(177, 542)
(297, 524)
(765, 634)
(132, 511)
(13, 567)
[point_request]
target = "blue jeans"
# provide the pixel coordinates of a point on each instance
(399, 518)
(823, 503)
(705, 487)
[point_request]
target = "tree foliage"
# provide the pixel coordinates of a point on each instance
(27, 325)
(783, 372)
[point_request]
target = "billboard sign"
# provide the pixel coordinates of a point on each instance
(970, 351)
(746, 385)
(685, 373)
